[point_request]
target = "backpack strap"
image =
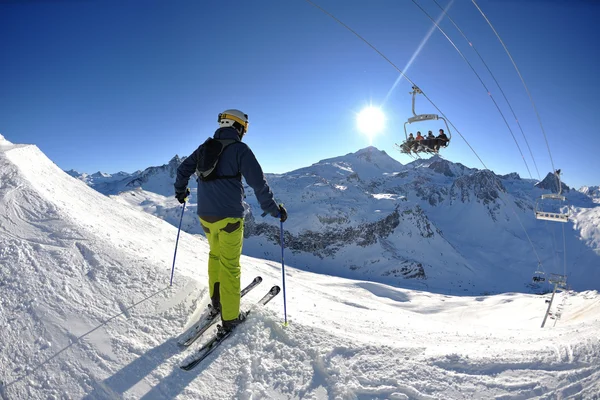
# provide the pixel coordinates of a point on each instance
(226, 143)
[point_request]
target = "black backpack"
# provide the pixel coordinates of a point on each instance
(208, 157)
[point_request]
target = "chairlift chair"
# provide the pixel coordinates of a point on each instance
(421, 118)
(539, 275)
(541, 208)
(542, 205)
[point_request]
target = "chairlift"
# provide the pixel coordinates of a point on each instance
(539, 275)
(423, 146)
(549, 206)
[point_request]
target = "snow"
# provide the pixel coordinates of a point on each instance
(385, 196)
(4, 143)
(587, 222)
(592, 191)
(87, 312)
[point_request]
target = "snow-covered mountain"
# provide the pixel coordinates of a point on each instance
(99, 178)
(551, 184)
(153, 179)
(86, 312)
(431, 224)
(592, 191)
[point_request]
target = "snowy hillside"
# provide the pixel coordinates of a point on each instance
(86, 312)
(432, 224)
(592, 191)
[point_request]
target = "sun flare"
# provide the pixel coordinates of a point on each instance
(370, 121)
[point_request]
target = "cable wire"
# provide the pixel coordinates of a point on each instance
(536, 113)
(565, 251)
(496, 81)
(522, 80)
(480, 80)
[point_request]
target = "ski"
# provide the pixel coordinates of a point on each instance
(217, 339)
(206, 321)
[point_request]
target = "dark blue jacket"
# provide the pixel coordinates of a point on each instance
(225, 197)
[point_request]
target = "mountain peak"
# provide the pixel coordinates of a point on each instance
(368, 150)
(370, 154)
(511, 175)
(551, 183)
(73, 173)
(4, 141)
(441, 166)
(175, 161)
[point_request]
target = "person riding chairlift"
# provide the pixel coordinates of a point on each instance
(441, 140)
(408, 145)
(430, 141)
(418, 141)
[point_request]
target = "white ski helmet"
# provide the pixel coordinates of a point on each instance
(234, 118)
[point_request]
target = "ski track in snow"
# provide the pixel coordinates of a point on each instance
(73, 263)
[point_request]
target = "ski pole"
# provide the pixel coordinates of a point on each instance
(283, 273)
(176, 243)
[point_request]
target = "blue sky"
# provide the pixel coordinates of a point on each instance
(123, 85)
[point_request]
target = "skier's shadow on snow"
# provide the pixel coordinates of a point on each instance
(169, 387)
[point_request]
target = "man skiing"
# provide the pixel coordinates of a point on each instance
(221, 209)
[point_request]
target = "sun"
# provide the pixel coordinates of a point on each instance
(370, 121)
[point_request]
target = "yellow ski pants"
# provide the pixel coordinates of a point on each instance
(225, 238)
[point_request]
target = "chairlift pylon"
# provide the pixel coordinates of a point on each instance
(404, 147)
(555, 199)
(559, 280)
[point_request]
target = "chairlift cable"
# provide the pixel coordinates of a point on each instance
(433, 104)
(523, 81)
(480, 80)
(526, 234)
(497, 107)
(556, 259)
(496, 81)
(564, 251)
(537, 115)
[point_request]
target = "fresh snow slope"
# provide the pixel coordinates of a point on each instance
(432, 224)
(587, 222)
(71, 260)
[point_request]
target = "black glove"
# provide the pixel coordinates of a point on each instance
(182, 196)
(282, 213)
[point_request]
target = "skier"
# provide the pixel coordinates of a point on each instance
(441, 140)
(408, 145)
(221, 211)
(429, 141)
